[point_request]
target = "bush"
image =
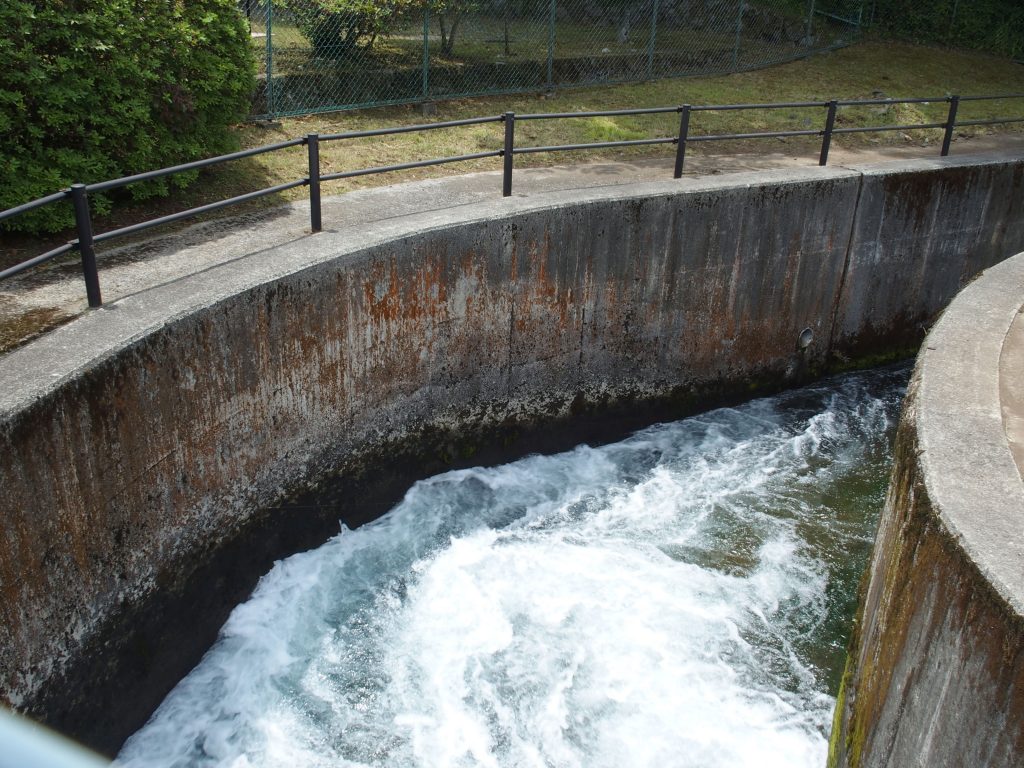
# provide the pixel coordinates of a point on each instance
(96, 89)
(339, 28)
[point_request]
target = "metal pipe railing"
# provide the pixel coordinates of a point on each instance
(759, 135)
(778, 105)
(601, 113)
(882, 128)
(996, 121)
(594, 145)
(884, 102)
(411, 128)
(25, 208)
(18, 268)
(78, 194)
(992, 98)
(407, 166)
(210, 207)
(104, 186)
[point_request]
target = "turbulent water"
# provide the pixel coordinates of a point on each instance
(680, 598)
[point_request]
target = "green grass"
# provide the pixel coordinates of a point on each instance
(861, 71)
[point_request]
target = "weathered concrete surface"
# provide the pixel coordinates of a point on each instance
(143, 446)
(126, 269)
(918, 237)
(936, 672)
(1011, 389)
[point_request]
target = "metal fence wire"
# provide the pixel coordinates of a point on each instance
(995, 26)
(322, 55)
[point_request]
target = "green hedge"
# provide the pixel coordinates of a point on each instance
(96, 89)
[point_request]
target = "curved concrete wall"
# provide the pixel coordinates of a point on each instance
(936, 674)
(143, 447)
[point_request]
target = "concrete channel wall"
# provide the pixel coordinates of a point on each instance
(936, 672)
(154, 454)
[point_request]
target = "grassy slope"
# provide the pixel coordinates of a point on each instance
(864, 70)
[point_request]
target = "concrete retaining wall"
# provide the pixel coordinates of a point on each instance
(936, 674)
(143, 447)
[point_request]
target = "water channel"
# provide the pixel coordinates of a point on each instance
(680, 598)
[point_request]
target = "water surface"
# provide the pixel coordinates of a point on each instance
(681, 598)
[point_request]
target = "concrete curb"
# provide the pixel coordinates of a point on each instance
(42, 366)
(970, 473)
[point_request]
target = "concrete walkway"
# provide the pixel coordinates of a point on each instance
(43, 297)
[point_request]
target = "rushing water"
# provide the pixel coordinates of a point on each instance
(680, 598)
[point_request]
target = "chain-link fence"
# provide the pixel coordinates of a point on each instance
(996, 26)
(321, 55)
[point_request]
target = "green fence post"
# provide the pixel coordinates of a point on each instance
(739, 29)
(650, 42)
(426, 54)
(270, 58)
(810, 23)
(551, 43)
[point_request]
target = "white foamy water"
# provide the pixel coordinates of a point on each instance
(676, 599)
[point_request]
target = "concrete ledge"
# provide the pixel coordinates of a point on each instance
(923, 229)
(147, 449)
(970, 472)
(936, 676)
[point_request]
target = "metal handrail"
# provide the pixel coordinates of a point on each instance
(407, 166)
(601, 113)
(881, 102)
(103, 186)
(777, 105)
(60, 251)
(758, 135)
(594, 145)
(197, 211)
(78, 194)
(33, 205)
(411, 128)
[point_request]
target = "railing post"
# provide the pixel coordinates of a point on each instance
(684, 132)
(954, 105)
(826, 137)
(313, 145)
(83, 223)
(508, 153)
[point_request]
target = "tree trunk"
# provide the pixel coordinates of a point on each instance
(627, 20)
(445, 45)
(448, 43)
